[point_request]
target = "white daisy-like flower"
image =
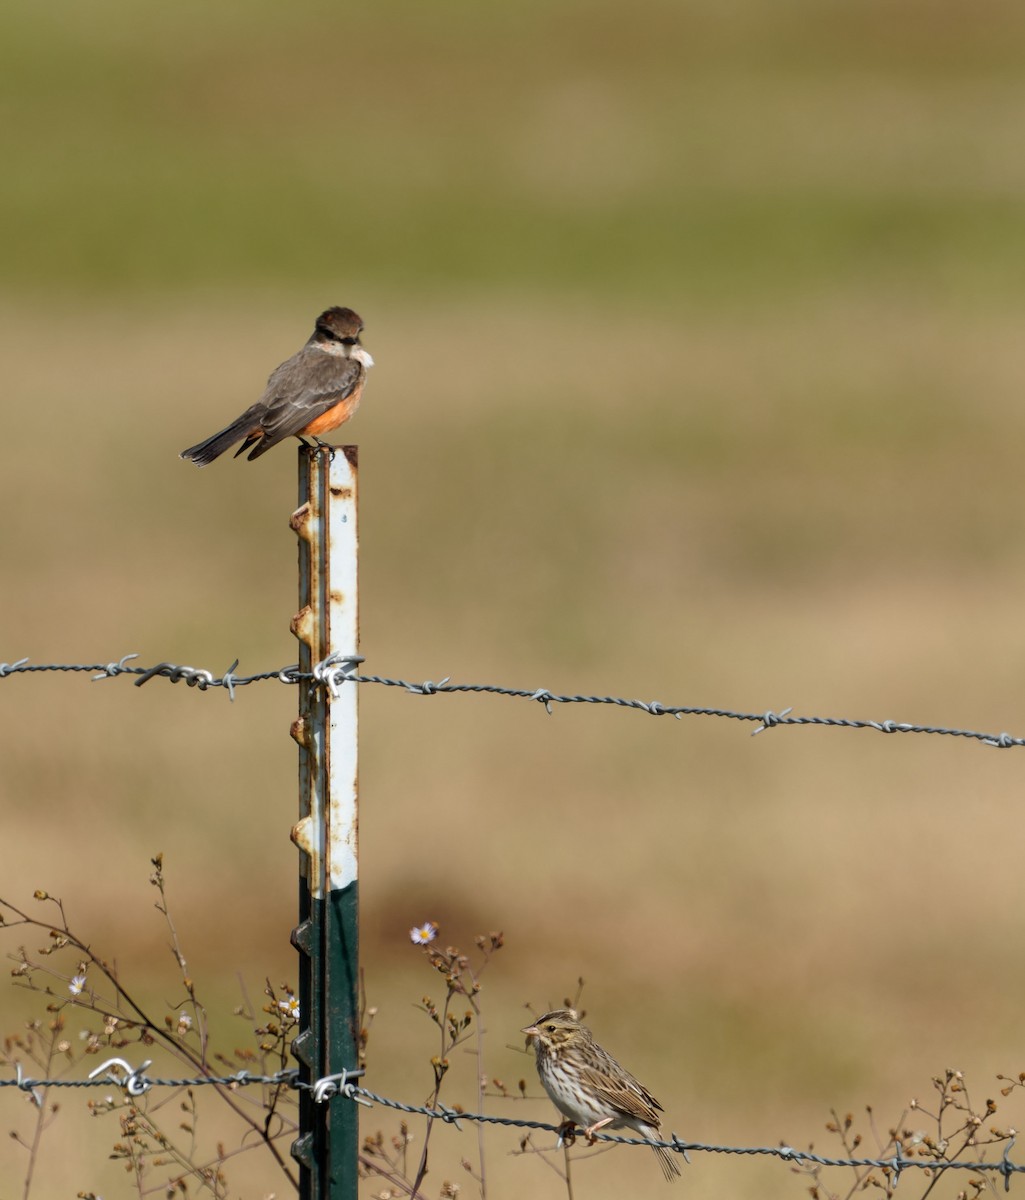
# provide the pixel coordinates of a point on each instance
(423, 935)
(184, 1022)
(76, 985)
(289, 1006)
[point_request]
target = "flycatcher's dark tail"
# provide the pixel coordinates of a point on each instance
(203, 453)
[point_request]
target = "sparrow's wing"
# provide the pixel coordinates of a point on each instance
(621, 1091)
(302, 389)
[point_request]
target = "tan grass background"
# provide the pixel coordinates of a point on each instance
(699, 379)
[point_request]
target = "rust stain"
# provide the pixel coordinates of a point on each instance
(353, 838)
(303, 835)
(299, 521)
(301, 625)
(337, 597)
(306, 836)
(342, 493)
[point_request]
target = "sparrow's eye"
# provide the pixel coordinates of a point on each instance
(549, 1029)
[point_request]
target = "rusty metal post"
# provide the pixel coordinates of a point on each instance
(326, 937)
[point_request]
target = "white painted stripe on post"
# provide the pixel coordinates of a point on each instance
(343, 622)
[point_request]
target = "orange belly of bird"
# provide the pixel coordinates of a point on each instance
(335, 416)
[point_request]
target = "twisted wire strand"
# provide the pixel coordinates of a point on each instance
(136, 1082)
(338, 670)
(896, 1162)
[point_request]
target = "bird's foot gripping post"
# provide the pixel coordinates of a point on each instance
(327, 626)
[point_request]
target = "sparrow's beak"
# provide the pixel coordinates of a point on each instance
(531, 1031)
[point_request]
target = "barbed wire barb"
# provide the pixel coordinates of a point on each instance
(898, 1163)
(677, 1145)
(26, 1085)
(113, 669)
(770, 720)
(1007, 1167)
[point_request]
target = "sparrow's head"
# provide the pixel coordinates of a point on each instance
(337, 331)
(556, 1029)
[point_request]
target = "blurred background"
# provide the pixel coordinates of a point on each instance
(699, 378)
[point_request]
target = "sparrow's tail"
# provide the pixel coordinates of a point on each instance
(203, 453)
(667, 1161)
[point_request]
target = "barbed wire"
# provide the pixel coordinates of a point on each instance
(135, 1083)
(339, 669)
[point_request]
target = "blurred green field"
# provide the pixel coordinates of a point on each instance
(699, 379)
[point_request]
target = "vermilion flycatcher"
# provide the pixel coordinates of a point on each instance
(311, 393)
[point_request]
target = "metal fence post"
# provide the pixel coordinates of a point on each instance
(326, 730)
